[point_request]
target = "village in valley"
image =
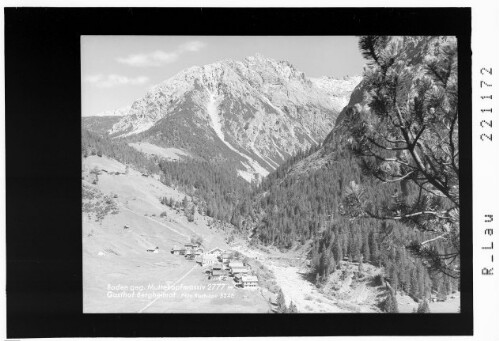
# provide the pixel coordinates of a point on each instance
(219, 264)
(135, 246)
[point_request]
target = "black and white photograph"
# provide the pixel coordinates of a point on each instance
(234, 170)
(293, 174)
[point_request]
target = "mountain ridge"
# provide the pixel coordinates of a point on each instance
(253, 113)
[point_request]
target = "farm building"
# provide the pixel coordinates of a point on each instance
(199, 259)
(190, 246)
(249, 281)
(216, 274)
(177, 250)
(235, 271)
(209, 259)
(236, 264)
(199, 251)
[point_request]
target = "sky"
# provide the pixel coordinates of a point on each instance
(116, 70)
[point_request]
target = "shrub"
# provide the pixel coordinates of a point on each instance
(378, 280)
(390, 305)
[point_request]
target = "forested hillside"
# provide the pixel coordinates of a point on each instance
(215, 186)
(289, 211)
(217, 189)
(308, 197)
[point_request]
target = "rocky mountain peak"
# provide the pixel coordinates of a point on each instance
(254, 113)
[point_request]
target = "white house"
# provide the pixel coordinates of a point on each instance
(216, 251)
(236, 264)
(239, 271)
(249, 281)
(209, 259)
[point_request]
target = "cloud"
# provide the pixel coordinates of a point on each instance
(158, 58)
(109, 81)
(192, 46)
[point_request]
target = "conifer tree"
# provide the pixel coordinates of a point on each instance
(390, 305)
(409, 137)
(423, 307)
(281, 303)
(292, 308)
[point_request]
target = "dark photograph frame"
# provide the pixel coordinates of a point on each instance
(43, 168)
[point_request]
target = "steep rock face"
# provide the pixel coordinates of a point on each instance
(413, 51)
(253, 113)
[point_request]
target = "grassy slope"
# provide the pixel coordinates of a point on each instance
(115, 256)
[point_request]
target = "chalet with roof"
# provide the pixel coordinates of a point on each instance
(209, 259)
(216, 251)
(249, 281)
(236, 264)
(178, 250)
(241, 271)
(217, 274)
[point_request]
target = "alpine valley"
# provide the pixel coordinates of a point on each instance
(252, 162)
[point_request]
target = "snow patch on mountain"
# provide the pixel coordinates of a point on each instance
(245, 175)
(215, 119)
(211, 109)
